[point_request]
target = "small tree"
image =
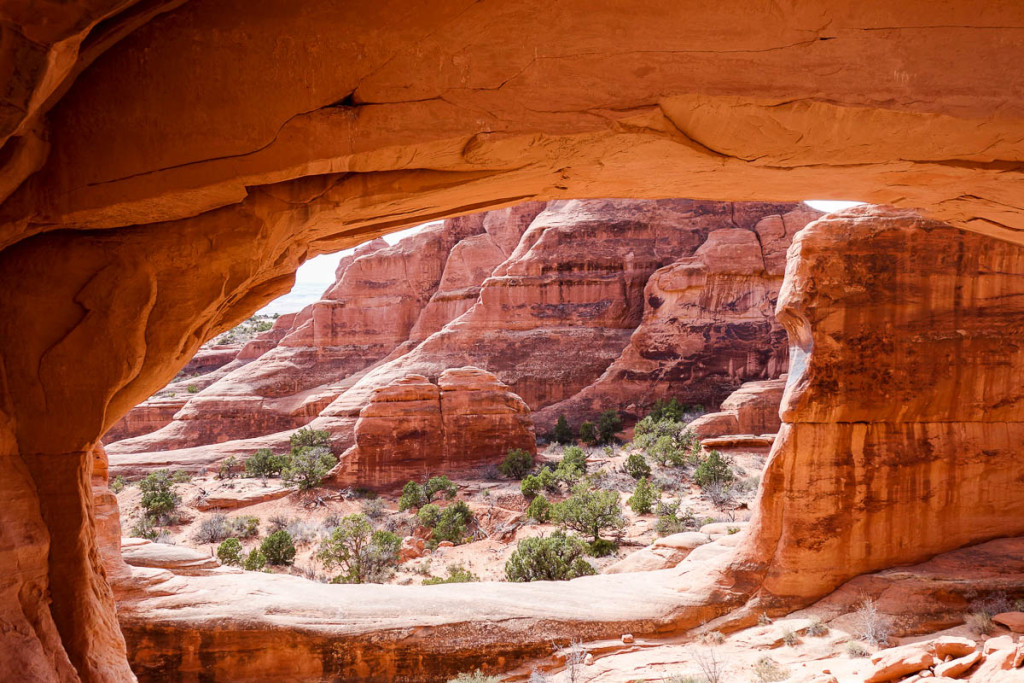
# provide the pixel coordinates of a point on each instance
(671, 410)
(645, 495)
(440, 485)
(308, 467)
(307, 437)
(636, 466)
(562, 432)
(573, 464)
(255, 561)
(429, 515)
(117, 484)
(278, 548)
(608, 425)
(557, 557)
(413, 497)
(517, 463)
(589, 512)
(362, 554)
(230, 552)
(588, 433)
(453, 523)
(158, 497)
(714, 469)
(539, 509)
(264, 463)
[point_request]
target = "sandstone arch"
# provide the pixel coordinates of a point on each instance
(167, 165)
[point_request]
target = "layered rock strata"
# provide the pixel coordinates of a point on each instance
(413, 428)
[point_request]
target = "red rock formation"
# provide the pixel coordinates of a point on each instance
(903, 415)
(708, 325)
(413, 428)
(751, 409)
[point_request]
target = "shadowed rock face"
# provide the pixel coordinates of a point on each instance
(167, 166)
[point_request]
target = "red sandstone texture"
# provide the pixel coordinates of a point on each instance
(180, 160)
(413, 428)
(751, 409)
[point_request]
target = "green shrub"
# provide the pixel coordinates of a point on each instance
(278, 548)
(117, 484)
(362, 554)
(158, 497)
(608, 425)
(255, 561)
(429, 515)
(714, 469)
(453, 523)
(475, 677)
(517, 463)
(557, 557)
(572, 466)
(307, 437)
(562, 432)
(636, 466)
(440, 485)
(588, 433)
(539, 509)
(671, 410)
(671, 521)
(308, 467)
(413, 497)
(545, 479)
(456, 574)
(193, 388)
(645, 495)
(589, 512)
(264, 463)
(228, 468)
(143, 528)
(230, 552)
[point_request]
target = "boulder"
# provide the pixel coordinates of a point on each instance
(1011, 620)
(956, 667)
(894, 663)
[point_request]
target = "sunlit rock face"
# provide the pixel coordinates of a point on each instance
(902, 422)
(414, 428)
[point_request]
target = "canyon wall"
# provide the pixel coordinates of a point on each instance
(903, 414)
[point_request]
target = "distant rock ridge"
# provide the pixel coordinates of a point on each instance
(576, 306)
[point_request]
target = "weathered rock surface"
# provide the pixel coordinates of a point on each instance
(413, 428)
(751, 409)
(901, 401)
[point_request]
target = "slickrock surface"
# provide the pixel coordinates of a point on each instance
(413, 428)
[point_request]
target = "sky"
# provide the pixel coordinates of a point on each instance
(317, 274)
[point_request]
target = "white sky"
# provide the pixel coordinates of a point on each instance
(317, 274)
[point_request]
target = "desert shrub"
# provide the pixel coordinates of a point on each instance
(718, 493)
(870, 625)
(671, 410)
(573, 464)
(277, 522)
(264, 463)
(636, 466)
(539, 509)
(117, 484)
(644, 497)
(440, 485)
(588, 433)
(307, 437)
(790, 638)
(672, 521)
(255, 561)
(608, 425)
(229, 468)
(308, 467)
(412, 498)
(230, 552)
(979, 623)
(158, 497)
(818, 628)
(193, 388)
(362, 554)
(429, 515)
(562, 432)
(304, 531)
(372, 508)
(475, 677)
(456, 574)
(143, 528)
(856, 650)
(763, 619)
(714, 469)
(589, 512)
(453, 523)
(517, 463)
(767, 670)
(212, 529)
(557, 557)
(278, 548)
